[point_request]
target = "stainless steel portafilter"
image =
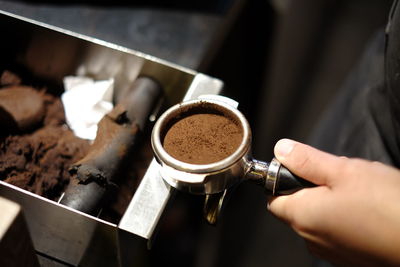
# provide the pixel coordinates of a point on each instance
(215, 178)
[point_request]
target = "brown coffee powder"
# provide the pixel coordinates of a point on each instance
(203, 138)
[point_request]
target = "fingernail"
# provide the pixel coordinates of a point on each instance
(283, 148)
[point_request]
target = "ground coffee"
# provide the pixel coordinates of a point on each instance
(203, 138)
(38, 152)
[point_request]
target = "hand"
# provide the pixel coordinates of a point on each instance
(353, 216)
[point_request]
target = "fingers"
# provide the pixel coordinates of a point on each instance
(307, 162)
(296, 208)
(303, 209)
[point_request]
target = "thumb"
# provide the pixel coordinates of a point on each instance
(307, 162)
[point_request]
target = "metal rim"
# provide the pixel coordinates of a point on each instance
(168, 160)
(272, 174)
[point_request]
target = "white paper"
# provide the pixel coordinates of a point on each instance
(85, 102)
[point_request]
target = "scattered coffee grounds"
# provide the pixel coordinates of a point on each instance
(36, 146)
(203, 138)
(39, 162)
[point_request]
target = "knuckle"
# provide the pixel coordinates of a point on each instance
(349, 166)
(377, 163)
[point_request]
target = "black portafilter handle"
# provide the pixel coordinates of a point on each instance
(280, 181)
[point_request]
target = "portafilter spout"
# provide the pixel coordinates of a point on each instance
(215, 178)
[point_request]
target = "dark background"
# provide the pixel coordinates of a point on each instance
(282, 60)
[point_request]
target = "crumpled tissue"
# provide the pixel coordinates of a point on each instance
(85, 103)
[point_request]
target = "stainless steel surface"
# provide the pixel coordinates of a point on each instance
(147, 205)
(257, 171)
(16, 247)
(153, 194)
(50, 53)
(213, 206)
(59, 231)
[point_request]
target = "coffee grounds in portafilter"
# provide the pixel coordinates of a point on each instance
(203, 138)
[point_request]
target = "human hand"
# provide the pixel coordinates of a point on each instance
(353, 216)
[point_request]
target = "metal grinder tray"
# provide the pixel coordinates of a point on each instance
(52, 53)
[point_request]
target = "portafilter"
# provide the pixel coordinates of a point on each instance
(214, 179)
